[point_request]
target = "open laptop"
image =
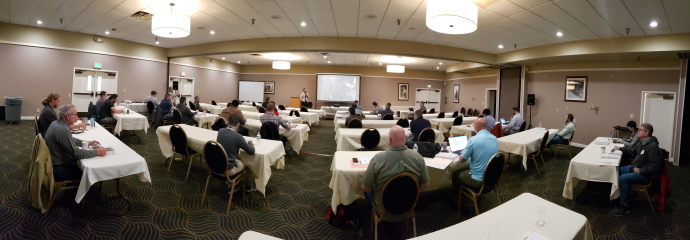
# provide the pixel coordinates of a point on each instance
(457, 144)
(503, 121)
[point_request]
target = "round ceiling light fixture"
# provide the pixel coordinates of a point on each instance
(170, 24)
(452, 16)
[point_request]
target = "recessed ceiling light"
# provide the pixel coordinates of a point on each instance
(106, 32)
(157, 42)
(437, 67)
(380, 63)
(653, 24)
(222, 58)
(303, 24)
(41, 22)
(440, 63)
(213, 32)
(329, 61)
(325, 56)
(239, 62)
(559, 34)
(500, 46)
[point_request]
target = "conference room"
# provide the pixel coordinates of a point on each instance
(344, 119)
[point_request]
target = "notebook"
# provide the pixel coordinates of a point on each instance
(457, 144)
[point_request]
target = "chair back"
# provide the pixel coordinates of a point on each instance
(216, 157)
(522, 127)
(457, 121)
(219, 123)
(403, 123)
(388, 116)
(150, 106)
(303, 109)
(177, 117)
(254, 104)
(400, 193)
(462, 110)
(179, 139)
(544, 141)
(292, 113)
(573, 136)
(442, 115)
(397, 113)
(497, 131)
(93, 111)
(192, 105)
(269, 130)
(354, 123)
(370, 139)
(492, 172)
(424, 112)
(433, 110)
(476, 112)
(426, 135)
(310, 105)
(281, 107)
(455, 114)
(469, 112)
(297, 113)
(36, 125)
(262, 110)
(213, 102)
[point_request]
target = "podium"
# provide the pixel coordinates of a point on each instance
(295, 102)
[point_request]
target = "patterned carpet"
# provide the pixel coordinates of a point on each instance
(295, 203)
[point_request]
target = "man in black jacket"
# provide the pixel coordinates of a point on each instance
(647, 160)
(187, 114)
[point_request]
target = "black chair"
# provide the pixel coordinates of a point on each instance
(476, 112)
(179, 146)
(36, 126)
(455, 114)
(254, 104)
(213, 102)
(492, 173)
(388, 116)
(426, 135)
(262, 110)
(442, 115)
(433, 110)
(399, 196)
(397, 113)
(217, 161)
(177, 117)
(281, 107)
(469, 112)
(219, 123)
(370, 140)
(192, 106)
(303, 109)
(296, 113)
(310, 105)
(522, 127)
(354, 123)
(462, 110)
(403, 123)
(534, 155)
(424, 112)
(150, 106)
(457, 121)
(269, 130)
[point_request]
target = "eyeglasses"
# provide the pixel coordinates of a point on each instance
(641, 129)
(74, 114)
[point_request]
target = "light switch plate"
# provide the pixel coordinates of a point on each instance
(632, 115)
(124, 90)
(38, 110)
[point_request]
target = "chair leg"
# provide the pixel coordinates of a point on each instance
(414, 225)
(244, 187)
(568, 148)
(191, 160)
(232, 192)
(172, 158)
(376, 230)
(542, 160)
(56, 191)
(476, 207)
(459, 200)
(649, 199)
(497, 198)
(203, 196)
(536, 165)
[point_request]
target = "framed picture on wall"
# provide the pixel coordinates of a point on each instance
(403, 91)
(456, 93)
(576, 89)
(269, 87)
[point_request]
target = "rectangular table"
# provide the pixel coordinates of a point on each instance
(307, 117)
(137, 107)
(524, 142)
(131, 121)
(330, 110)
(247, 108)
(467, 130)
(435, 115)
(366, 117)
(349, 139)
(205, 118)
(585, 166)
(366, 123)
(444, 124)
(268, 152)
(514, 218)
(257, 116)
(212, 109)
(322, 113)
(123, 163)
(295, 136)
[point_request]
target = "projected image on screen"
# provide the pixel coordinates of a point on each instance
(337, 88)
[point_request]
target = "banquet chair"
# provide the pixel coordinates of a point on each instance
(354, 123)
(403, 123)
(455, 114)
(192, 106)
(476, 112)
(492, 173)
(539, 151)
(295, 112)
(522, 127)
(217, 161)
(254, 104)
(269, 130)
(433, 110)
(213, 102)
(303, 109)
(310, 105)
(57, 188)
(424, 112)
(36, 125)
(457, 121)
(179, 146)
(281, 107)
(262, 110)
(469, 112)
(497, 131)
(441, 115)
(565, 146)
(150, 106)
(426, 135)
(660, 182)
(219, 123)
(177, 117)
(388, 116)
(397, 113)
(399, 196)
(370, 140)
(462, 110)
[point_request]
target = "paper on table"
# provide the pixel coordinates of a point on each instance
(598, 142)
(362, 162)
(440, 163)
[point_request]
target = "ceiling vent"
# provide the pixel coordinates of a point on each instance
(141, 15)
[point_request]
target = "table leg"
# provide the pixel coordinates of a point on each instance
(119, 194)
(123, 135)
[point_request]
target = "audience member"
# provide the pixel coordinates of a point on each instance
(275, 109)
(48, 115)
(187, 114)
(197, 104)
(358, 111)
(174, 94)
(101, 100)
(63, 147)
(490, 121)
(108, 109)
(152, 98)
(353, 115)
(634, 139)
(232, 141)
(377, 108)
(647, 160)
(515, 122)
(166, 107)
(396, 159)
(418, 124)
(358, 106)
(387, 110)
(563, 137)
(233, 110)
(265, 103)
(421, 106)
(270, 117)
(469, 170)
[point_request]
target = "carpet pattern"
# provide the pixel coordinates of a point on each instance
(295, 202)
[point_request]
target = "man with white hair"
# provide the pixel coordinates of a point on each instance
(63, 147)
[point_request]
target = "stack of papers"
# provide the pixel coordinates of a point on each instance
(440, 163)
(601, 142)
(609, 159)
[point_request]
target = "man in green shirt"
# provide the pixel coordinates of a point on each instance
(396, 159)
(563, 137)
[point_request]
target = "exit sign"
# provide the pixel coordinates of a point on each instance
(97, 65)
(429, 86)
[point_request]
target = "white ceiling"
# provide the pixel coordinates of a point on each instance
(343, 59)
(526, 23)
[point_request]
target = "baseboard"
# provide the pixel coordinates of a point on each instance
(578, 145)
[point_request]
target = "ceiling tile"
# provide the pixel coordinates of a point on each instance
(43, 11)
(548, 11)
(420, 12)
(606, 4)
(275, 16)
(590, 18)
(603, 30)
(400, 8)
(346, 14)
(346, 23)
(5, 12)
(241, 8)
(367, 32)
(657, 31)
(272, 32)
(20, 11)
(387, 34)
(676, 7)
(374, 5)
(390, 22)
(291, 5)
(527, 4)
(347, 32)
(637, 2)
(508, 23)
(208, 5)
(527, 18)
(321, 14)
(124, 10)
(265, 6)
(620, 27)
(505, 8)
(646, 13)
(615, 14)
(95, 11)
(408, 35)
(487, 17)
(125, 23)
(317, 4)
(427, 36)
(345, 4)
(574, 6)
(103, 23)
(298, 15)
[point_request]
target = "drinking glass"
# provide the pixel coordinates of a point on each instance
(541, 214)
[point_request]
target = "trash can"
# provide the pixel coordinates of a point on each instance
(13, 109)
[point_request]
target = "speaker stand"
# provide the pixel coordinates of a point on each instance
(530, 117)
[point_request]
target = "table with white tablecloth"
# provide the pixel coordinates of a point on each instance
(296, 136)
(213, 109)
(132, 121)
(585, 166)
(401, 108)
(308, 118)
(121, 162)
(467, 130)
(444, 124)
(322, 113)
(257, 116)
(247, 108)
(435, 115)
(367, 123)
(524, 142)
(137, 107)
(366, 117)
(514, 218)
(330, 110)
(267, 152)
(349, 139)
(202, 118)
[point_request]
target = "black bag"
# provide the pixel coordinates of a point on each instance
(343, 216)
(426, 149)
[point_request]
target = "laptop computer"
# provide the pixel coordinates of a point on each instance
(503, 121)
(457, 144)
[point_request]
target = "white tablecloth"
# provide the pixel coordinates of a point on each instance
(247, 108)
(322, 113)
(585, 166)
(330, 110)
(401, 108)
(435, 115)
(307, 117)
(208, 118)
(349, 139)
(524, 143)
(212, 109)
(123, 163)
(444, 124)
(251, 235)
(295, 136)
(514, 218)
(467, 130)
(257, 116)
(366, 123)
(131, 121)
(137, 107)
(268, 152)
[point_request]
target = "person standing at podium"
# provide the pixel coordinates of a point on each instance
(304, 97)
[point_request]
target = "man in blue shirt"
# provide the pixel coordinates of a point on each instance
(418, 124)
(166, 107)
(469, 170)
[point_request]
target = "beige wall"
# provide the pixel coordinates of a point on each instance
(509, 91)
(34, 72)
(205, 62)
(469, 88)
(364, 71)
(210, 84)
(617, 93)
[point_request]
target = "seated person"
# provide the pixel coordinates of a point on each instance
(469, 170)
(187, 114)
(232, 142)
(418, 124)
(377, 108)
(646, 163)
(490, 121)
(197, 104)
(48, 115)
(275, 109)
(265, 103)
(358, 111)
(232, 110)
(358, 106)
(101, 100)
(515, 122)
(166, 106)
(563, 137)
(152, 99)
(63, 147)
(396, 159)
(353, 115)
(633, 140)
(108, 109)
(421, 106)
(270, 117)
(387, 110)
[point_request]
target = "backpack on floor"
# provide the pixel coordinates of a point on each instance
(343, 216)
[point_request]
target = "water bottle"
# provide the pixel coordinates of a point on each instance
(415, 148)
(258, 137)
(93, 122)
(539, 124)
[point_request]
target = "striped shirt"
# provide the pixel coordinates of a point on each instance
(62, 146)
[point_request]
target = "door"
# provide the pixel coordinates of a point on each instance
(491, 100)
(430, 97)
(185, 88)
(87, 84)
(658, 109)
